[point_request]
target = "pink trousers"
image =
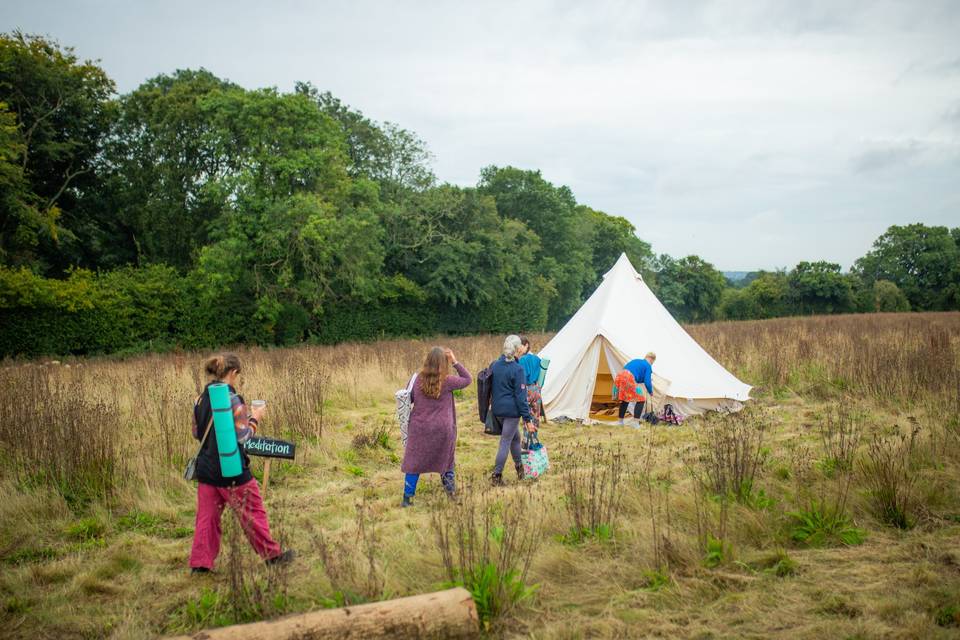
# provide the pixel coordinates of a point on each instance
(246, 502)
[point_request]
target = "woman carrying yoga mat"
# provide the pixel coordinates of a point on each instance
(222, 422)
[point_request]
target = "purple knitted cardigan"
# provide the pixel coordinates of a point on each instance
(432, 435)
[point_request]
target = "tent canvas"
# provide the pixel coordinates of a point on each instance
(623, 320)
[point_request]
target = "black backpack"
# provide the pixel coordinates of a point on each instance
(484, 392)
(491, 426)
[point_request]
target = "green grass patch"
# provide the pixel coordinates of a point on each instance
(32, 554)
(780, 564)
(948, 616)
(757, 500)
(576, 536)
(654, 580)
(494, 592)
(16, 605)
(209, 610)
(716, 552)
(85, 529)
(820, 526)
(152, 525)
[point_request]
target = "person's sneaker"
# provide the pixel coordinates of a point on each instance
(519, 469)
(496, 479)
(620, 422)
(407, 501)
(284, 558)
(199, 570)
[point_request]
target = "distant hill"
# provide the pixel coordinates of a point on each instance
(735, 276)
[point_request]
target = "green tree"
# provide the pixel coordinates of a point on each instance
(888, 297)
(22, 222)
(737, 304)
(922, 261)
(165, 163)
(564, 258)
(690, 288)
(613, 235)
(273, 145)
(394, 157)
(770, 291)
(766, 296)
(62, 112)
(819, 287)
(298, 233)
(455, 246)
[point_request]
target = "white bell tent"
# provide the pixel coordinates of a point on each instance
(621, 321)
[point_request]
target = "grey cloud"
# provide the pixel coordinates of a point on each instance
(886, 157)
(687, 117)
(952, 116)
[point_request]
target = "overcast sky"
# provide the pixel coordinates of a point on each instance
(754, 134)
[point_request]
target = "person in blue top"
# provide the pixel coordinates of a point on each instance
(630, 383)
(509, 405)
(531, 370)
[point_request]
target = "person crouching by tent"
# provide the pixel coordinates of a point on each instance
(629, 384)
(432, 434)
(509, 404)
(214, 491)
(531, 370)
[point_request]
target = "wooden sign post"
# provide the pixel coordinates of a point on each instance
(269, 448)
(266, 475)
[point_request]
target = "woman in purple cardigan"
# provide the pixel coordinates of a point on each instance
(432, 434)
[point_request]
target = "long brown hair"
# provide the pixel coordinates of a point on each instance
(435, 370)
(221, 364)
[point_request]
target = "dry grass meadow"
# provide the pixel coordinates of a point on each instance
(830, 508)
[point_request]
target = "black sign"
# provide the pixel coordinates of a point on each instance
(269, 448)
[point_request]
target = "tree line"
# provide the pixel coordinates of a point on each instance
(194, 212)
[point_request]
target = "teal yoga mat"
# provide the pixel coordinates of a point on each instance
(544, 363)
(225, 431)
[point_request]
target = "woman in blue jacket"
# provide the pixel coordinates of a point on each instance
(509, 404)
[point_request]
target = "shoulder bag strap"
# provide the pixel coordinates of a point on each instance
(206, 432)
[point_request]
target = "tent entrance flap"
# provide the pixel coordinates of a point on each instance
(602, 404)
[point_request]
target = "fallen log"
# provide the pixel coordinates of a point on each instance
(443, 614)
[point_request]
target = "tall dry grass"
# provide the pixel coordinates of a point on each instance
(894, 358)
(94, 451)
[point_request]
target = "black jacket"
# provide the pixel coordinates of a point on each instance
(484, 391)
(208, 462)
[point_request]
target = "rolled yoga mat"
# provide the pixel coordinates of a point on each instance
(225, 431)
(544, 363)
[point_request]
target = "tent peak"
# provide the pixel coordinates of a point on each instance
(623, 265)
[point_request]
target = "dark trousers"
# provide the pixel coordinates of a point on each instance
(509, 444)
(637, 411)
